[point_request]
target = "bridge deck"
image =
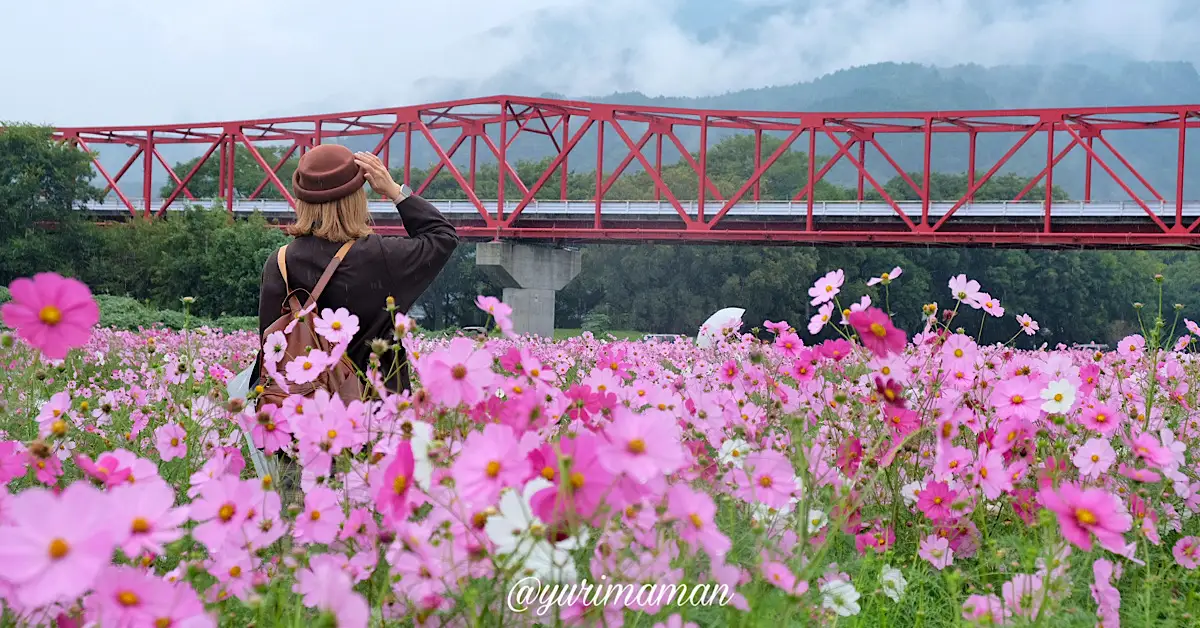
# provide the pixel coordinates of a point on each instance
(753, 211)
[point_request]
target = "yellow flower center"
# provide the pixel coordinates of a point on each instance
(878, 330)
(174, 442)
(696, 521)
(1017, 399)
(1085, 517)
(335, 325)
(548, 472)
(332, 434)
(399, 484)
(235, 571)
(1095, 458)
(59, 427)
(493, 469)
(226, 512)
(50, 315)
(315, 516)
(937, 500)
(636, 446)
(983, 473)
(307, 365)
(576, 480)
(1058, 397)
(140, 525)
(128, 598)
(765, 481)
(59, 548)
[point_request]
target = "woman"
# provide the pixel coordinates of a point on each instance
(331, 209)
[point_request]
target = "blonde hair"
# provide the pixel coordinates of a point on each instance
(342, 220)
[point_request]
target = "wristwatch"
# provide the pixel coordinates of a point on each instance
(405, 192)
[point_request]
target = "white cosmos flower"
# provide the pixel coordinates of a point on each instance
(517, 531)
(1059, 396)
(817, 520)
(734, 450)
(892, 582)
(910, 491)
(841, 597)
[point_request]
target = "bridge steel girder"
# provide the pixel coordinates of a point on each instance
(406, 136)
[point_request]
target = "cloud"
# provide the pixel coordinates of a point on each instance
(77, 62)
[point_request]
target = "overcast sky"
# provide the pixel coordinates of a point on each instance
(79, 62)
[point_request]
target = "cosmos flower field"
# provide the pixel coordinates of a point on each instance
(886, 477)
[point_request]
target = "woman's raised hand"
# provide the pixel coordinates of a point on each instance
(377, 175)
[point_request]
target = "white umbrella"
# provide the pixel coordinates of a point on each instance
(239, 388)
(710, 331)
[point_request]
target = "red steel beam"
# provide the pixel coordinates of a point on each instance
(480, 118)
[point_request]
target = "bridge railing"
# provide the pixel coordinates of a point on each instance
(746, 209)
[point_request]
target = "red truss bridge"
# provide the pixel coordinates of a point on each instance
(491, 143)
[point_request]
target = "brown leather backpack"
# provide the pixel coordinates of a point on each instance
(342, 378)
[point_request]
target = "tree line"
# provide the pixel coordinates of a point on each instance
(1077, 296)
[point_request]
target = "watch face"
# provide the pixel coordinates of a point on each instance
(405, 190)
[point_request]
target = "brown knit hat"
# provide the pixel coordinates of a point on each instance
(326, 173)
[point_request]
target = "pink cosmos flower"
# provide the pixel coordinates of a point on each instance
(990, 304)
(984, 610)
(107, 469)
(490, 461)
(1028, 326)
(328, 588)
(54, 314)
(936, 550)
(54, 546)
(146, 515)
(1094, 458)
(391, 491)
(1187, 552)
(885, 278)
(501, 312)
(1084, 512)
(827, 287)
(321, 518)
(695, 512)
(936, 501)
(306, 368)
(583, 490)
(1101, 418)
(170, 441)
(221, 508)
(457, 374)
(126, 596)
(789, 344)
(1107, 597)
(766, 477)
(179, 606)
(778, 575)
(643, 446)
(1130, 347)
(820, 319)
(336, 326)
(993, 477)
(877, 333)
(965, 290)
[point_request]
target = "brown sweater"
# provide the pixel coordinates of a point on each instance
(375, 268)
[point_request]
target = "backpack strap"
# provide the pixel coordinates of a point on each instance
(329, 270)
(282, 258)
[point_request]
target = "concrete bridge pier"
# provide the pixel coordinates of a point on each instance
(530, 275)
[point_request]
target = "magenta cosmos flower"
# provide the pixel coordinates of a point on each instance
(878, 334)
(53, 313)
(1084, 512)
